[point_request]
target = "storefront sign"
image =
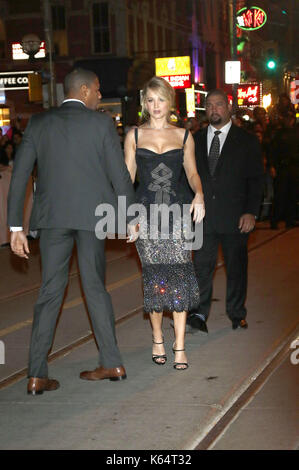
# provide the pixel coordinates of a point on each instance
(190, 101)
(249, 95)
(232, 71)
(176, 70)
(14, 80)
(294, 91)
(18, 54)
(178, 81)
(251, 18)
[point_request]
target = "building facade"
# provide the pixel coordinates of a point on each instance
(119, 40)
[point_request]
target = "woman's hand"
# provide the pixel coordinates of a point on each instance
(198, 208)
(133, 233)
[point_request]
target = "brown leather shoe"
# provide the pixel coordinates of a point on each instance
(117, 373)
(36, 386)
(240, 323)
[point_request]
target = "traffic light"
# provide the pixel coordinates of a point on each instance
(271, 61)
(241, 43)
(271, 64)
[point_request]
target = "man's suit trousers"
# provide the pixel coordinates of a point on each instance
(56, 247)
(234, 248)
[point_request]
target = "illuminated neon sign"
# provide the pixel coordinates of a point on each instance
(249, 95)
(251, 18)
(176, 70)
(18, 54)
(178, 81)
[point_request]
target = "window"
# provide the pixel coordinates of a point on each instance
(58, 17)
(101, 30)
(4, 117)
(59, 30)
(17, 7)
(212, 12)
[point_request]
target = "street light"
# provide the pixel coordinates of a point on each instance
(31, 45)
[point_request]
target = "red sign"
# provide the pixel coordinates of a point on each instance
(178, 81)
(294, 92)
(251, 18)
(249, 95)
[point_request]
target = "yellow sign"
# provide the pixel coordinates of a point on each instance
(35, 87)
(190, 101)
(173, 66)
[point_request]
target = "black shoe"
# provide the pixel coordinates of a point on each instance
(197, 323)
(159, 359)
(179, 365)
(239, 324)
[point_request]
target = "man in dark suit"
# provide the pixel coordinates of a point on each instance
(229, 163)
(79, 165)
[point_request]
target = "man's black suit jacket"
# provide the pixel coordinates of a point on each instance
(237, 184)
(80, 164)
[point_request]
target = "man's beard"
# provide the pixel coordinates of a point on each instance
(215, 119)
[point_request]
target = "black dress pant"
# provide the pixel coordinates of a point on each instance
(56, 247)
(234, 247)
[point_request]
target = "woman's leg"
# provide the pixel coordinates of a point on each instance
(179, 321)
(156, 319)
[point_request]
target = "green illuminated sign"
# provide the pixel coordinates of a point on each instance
(251, 18)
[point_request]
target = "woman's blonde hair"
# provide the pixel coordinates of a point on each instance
(161, 87)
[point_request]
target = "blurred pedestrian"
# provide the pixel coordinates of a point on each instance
(285, 160)
(17, 139)
(7, 154)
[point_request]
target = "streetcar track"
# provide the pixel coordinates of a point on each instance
(216, 430)
(36, 287)
(19, 375)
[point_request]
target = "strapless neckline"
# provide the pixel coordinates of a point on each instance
(157, 153)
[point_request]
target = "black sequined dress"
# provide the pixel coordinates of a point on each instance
(169, 280)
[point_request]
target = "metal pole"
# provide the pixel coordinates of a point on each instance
(49, 44)
(234, 53)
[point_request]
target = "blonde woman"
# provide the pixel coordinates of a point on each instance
(160, 152)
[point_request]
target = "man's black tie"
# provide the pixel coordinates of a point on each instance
(214, 152)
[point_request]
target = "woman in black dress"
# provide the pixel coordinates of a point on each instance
(160, 153)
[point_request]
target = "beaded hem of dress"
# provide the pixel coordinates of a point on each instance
(169, 287)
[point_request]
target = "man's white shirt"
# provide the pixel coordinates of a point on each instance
(222, 137)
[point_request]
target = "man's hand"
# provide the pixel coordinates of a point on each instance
(247, 223)
(133, 233)
(19, 244)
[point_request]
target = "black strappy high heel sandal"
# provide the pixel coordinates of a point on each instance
(176, 364)
(159, 359)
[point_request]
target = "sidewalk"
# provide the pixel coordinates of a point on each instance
(158, 407)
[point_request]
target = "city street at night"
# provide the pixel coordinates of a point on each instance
(149, 229)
